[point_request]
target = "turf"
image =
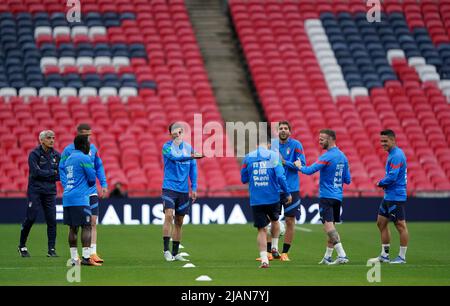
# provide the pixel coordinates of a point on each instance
(226, 253)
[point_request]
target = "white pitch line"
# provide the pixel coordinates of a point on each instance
(303, 229)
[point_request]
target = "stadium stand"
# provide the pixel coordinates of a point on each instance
(322, 64)
(128, 68)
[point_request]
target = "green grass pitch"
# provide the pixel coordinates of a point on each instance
(226, 253)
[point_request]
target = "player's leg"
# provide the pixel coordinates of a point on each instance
(326, 216)
(167, 232)
(275, 233)
(269, 232)
(273, 213)
(84, 220)
(93, 202)
(182, 206)
(261, 240)
(31, 214)
(291, 213)
(169, 211)
(400, 225)
(49, 206)
(385, 234)
(261, 220)
(404, 238)
(176, 238)
(336, 239)
(73, 238)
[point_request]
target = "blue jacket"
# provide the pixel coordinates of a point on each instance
(43, 172)
(178, 167)
(394, 182)
(95, 159)
(79, 176)
(264, 173)
(334, 171)
(291, 151)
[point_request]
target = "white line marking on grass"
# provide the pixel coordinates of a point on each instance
(303, 229)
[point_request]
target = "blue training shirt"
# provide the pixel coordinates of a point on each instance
(95, 159)
(394, 182)
(264, 173)
(291, 151)
(79, 176)
(178, 167)
(334, 171)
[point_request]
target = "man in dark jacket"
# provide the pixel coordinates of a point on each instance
(43, 163)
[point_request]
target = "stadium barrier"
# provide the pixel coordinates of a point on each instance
(135, 211)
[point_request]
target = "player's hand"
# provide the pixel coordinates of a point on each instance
(196, 155)
(104, 192)
(298, 164)
(194, 196)
(289, 199)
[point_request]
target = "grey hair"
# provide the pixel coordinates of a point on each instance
(45, 133)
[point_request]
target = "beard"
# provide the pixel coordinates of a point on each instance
(283, 137)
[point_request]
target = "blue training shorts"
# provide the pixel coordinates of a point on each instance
(176, 200)
(77, 215)
(330, 210)
(93, 202)
(293, 209)
(393, 210)
(263, 214)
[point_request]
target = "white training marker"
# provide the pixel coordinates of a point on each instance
(181, 247)
(203, 278)
(189, 265)
(184, 254)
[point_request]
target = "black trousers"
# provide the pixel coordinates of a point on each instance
(48, 203)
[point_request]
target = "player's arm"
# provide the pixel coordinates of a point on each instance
(62, 166)
(299, 159)
(35, 169)
(57, 176)
(281, 178)
(88, 168)
(167, 152)
(244, 172)
(347, 178)
(282, 182)
(193, 174)
(394, 168)
(317, 166)
(100, 174)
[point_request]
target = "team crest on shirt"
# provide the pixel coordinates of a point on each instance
(288, 151)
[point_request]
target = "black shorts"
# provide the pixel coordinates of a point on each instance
(293, 209)
(330, 210)
(77, 215)
(176, 200)
(263, 214)
(393, 210)
(93, 202)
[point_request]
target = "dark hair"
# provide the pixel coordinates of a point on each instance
(285, 122)
(329, 132)
(174, 125)
(388, 133)
(83, 126)
(82, 144)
